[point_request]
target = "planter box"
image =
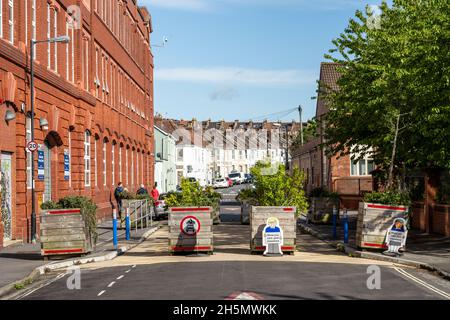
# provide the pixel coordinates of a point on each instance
(258, 219)
(322, 209)
(374, 221)
(63, 232)
(198, 239)
(245, 213)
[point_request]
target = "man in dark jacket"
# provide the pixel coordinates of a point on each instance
(142, 190)
(118, 197)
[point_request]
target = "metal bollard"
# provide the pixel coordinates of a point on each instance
(127, 225)
(335, 223)
(115, 242)
(345, 220)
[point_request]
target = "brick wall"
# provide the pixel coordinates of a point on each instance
(1, 234)
(440, 218)
(68, 106)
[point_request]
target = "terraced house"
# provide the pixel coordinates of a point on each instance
(93, 103)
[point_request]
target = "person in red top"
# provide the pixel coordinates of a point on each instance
(155, 193)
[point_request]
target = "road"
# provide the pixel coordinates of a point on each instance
(316, 271)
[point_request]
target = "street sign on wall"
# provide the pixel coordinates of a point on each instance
(66, 165)
(32, 146)
(41, 163)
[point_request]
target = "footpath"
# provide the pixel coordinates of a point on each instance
(22, 264)
(425, 251)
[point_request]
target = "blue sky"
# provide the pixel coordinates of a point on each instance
(242, 59)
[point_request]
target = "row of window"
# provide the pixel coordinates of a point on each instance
(120, 22)
(133, 168)
(9, 15)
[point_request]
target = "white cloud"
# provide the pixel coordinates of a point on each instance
(233, 75)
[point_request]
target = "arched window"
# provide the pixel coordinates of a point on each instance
(87, 158)
(113, 163)
(120, 162)
(104, 162)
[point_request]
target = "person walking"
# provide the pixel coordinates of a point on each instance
(155, 193)
(142, 190)
(117, 195)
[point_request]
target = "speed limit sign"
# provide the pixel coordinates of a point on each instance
(32, 146)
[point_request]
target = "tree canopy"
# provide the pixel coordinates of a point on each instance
(393, 66)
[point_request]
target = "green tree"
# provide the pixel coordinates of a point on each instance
(394, 86)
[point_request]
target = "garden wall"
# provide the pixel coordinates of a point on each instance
(440, 218)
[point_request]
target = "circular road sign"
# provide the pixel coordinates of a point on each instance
(32, 146)
(190, 225)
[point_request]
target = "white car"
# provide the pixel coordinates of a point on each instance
(220, 183)
(237, 177)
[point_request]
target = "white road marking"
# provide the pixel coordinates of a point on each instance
(133, 266)
(128, 271)
(423, 283)
(111, 284)
(101, 292)
(120, 277)
(59, 276)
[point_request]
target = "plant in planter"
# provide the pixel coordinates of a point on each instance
(277, 195)
(322, 204)
(191, 215)
(377, 213)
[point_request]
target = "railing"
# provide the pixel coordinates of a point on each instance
(140, 213)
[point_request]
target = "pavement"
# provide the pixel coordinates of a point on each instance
(427, 251)
(23, 262)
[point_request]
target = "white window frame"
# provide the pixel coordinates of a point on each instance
(28, 138)
(67, 53)
(11, 20)
(137, 169)
(33, 23)
(104, 163)
(120, 163)
(55, 32)
(126, 165)
(87, 158)
(49, 59)
(70, 158)
(132, 168)
(1, 19)
(96, 162)
(72, 41)
(113, 164)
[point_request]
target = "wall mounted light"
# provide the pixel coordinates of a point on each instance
(9, 115)
(43, 123)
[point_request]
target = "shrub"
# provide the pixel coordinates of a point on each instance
(86, 205)
(389, 197)
(277, 188)
(323, 193)
(193, 195)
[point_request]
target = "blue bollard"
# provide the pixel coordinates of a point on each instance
(345, 226)
(127, 225)
(334, 223)
(115, 242)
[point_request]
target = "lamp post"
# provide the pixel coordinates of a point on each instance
(62, 39)
(300, 111)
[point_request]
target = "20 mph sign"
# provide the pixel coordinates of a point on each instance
(32, 146)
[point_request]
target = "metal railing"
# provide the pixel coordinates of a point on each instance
(141, 213)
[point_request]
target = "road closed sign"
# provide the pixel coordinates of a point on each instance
(190, 226)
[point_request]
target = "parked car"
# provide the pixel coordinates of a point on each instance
(230, 182)
(248, 178)
(220, 183)
(236, 177)
(160, 210)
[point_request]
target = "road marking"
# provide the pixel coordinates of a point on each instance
(101, 292)
(111, 284)
(120, 277)
(59, 276)
(133, 266)
(128, 271)
(423, 283)
(244, 296)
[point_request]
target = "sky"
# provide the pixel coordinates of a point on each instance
(242, 59)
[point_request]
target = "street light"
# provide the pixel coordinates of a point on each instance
(61, 39)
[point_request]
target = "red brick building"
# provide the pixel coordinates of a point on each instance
(349, 178)
(96, 93)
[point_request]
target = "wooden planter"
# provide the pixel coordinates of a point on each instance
(201, 241)
(374, 221)
(245, 213)
(64, 232)
(322, 209)
(258, 219)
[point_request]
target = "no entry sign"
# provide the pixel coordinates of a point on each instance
(32, 146)
(190, 225)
